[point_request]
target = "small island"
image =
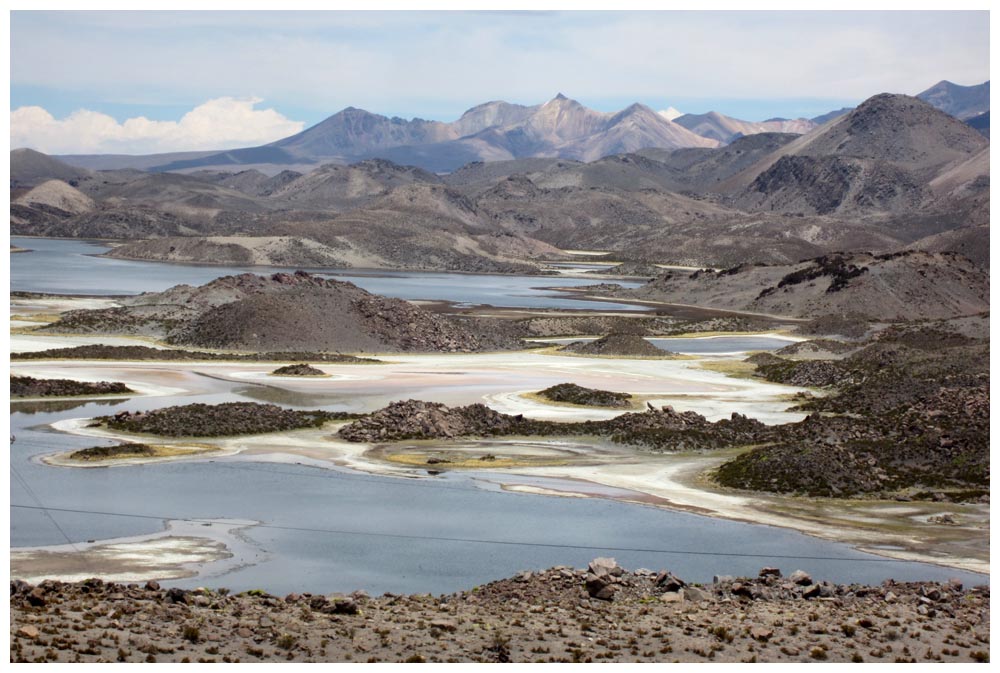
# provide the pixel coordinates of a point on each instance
(217, 420)
(28, 386)
(302, 369)
(571, 393)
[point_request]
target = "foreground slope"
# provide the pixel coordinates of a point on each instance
(541, 616)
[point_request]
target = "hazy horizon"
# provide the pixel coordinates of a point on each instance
(174, 81)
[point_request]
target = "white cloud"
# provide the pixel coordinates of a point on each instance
(220, 123)
(671, 113)
(414, 63)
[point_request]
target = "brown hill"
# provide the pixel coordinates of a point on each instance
(829, 184)
(334, 187)
(624, 345)
(287, 312)
(899, 286)
(900, 130)
(29, 168)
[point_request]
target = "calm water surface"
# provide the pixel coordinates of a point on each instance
(72, 267)
(334, 505)
(337, 526)
(722, 345)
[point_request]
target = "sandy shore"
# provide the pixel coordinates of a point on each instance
(208, 548)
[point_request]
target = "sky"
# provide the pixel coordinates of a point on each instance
(145, 82)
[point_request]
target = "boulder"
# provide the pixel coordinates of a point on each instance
(695, 595)
(800, 577)
(604, 566)
(670, 582)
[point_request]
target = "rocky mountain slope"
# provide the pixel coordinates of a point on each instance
(962, 102)
(903, 131)
(284, 312)
(898, 286)
(29, 168)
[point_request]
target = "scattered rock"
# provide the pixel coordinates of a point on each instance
(800, 577)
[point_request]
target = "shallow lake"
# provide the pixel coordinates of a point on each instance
(62, 266)
(720, 345)
(342, 530)
(336, 530)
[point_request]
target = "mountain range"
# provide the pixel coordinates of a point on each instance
(500, 131)
(493, 131)
(893, 173)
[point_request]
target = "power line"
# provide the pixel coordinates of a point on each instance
(31, 493)
(515, 543)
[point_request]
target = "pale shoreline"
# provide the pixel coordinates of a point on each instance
(669, 481)
(183, 549)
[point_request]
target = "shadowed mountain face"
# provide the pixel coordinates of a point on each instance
(727, 129)
(981, 123)
(962, 102)
(29, 168)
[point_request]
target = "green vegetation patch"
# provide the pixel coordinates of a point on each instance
(117, 451)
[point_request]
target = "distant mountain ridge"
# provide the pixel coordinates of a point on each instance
(961, 102)
(726, 129)
(894, 173)
(494, 131)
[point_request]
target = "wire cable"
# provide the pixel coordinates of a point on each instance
(515, 543)
(31, 494)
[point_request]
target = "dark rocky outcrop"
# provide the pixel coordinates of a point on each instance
(912, 418)
(101, 352)
(298, 370)
(574, 394)
(27, 386)
(218, 420)
(655, 429)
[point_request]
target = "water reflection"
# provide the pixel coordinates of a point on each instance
(74, 267)
(294, 398)
(53, 406)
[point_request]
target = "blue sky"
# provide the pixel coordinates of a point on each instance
(304, 66)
